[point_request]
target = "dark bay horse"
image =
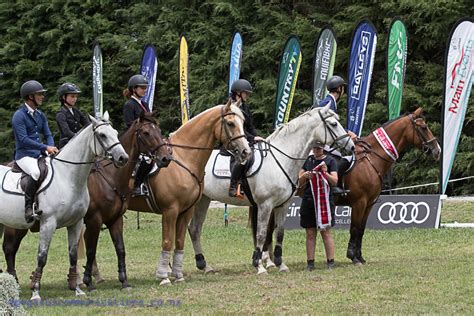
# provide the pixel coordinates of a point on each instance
(109, 191)
(365, 179)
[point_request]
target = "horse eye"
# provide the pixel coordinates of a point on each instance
(146, 133)
(102, 135)
(230, 124)
(333, 124)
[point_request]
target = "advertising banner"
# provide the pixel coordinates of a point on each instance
(396, 66)
(235, 58)
(458, 81)
(389, 212)
(361, 63)
(149, 69)
(323, 63)
(288, 74)
(183, 78)
(97, 81)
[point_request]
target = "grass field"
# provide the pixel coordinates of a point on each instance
(408, 271)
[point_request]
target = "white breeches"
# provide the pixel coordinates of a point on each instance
(30, 166)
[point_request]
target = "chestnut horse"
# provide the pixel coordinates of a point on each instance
(175, 190)
(365, 179)
(109, 192)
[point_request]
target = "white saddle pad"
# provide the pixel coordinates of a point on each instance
(11, 180)
(221, 166)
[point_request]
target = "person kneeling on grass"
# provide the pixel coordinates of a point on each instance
(317, 208)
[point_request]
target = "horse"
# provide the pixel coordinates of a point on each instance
(175, 190)
(109, 192)
(65, 198)
(275, 183)
(364, 180)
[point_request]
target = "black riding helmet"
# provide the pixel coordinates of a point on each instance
(31, 87)
(137, 80)
(241, 85)
(67, 88)
(335, 82)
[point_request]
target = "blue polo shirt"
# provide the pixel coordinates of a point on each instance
(27, 129)
(328, 99)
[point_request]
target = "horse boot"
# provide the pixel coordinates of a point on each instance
(30, 191)
(140, 188)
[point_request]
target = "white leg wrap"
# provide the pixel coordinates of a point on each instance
(162, 268)
(177, 270)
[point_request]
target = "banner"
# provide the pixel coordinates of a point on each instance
(389, 212)
(323, 63)
(396, 66)
(149, 68)
(183, 78)
(97, 81)
(235, 58)
(288, 75)
(459, 65)
(361, 62)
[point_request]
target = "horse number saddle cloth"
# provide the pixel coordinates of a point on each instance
(221, 165)
(14, 180)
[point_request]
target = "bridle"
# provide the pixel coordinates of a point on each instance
(426, 143)
(334, 145)
(151, 153)
(227, 131)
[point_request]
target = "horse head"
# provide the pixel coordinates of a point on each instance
(424, 138)
(150, 140)
(230, 131)
(334, 134)
(109, 144)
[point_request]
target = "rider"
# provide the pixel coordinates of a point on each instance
(241, 90)
(28, 122)
(70, 120)
(137, 85)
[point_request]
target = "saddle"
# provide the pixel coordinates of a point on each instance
(344, 166)
(15, 179)
(223, 163)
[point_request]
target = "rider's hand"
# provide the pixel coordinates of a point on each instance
(258, 139)
(51, 150)
(352, 135)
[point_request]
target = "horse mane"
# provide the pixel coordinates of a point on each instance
(418, 113)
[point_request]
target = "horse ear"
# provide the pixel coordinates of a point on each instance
(227, 106)
(418, 112)
(93, 120)
(106, 116)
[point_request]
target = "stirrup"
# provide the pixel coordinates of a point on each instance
(141, 190)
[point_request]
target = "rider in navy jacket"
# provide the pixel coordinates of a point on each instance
(28, 123)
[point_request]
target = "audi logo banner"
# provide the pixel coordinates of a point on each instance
(389, 212)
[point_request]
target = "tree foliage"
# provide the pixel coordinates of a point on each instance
(51, 41)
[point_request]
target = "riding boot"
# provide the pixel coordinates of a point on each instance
(234, 190)
(140, 188)
(30, 191)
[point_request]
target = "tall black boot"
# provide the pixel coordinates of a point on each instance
(30, 192)
(143, 170)
(237, 171)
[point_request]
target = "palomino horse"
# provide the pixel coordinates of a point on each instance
(365, 180)
(175, 189)
(275, 182)
(109, 191)
(65, 198)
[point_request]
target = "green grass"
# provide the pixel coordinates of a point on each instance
(408, 271)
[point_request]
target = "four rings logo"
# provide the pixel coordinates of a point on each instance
(406, 213)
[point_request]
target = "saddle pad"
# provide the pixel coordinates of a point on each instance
(11, 180)
(221, 165)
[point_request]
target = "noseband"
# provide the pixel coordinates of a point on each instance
(150, 152)
(107, 150)
(227, 131)
(333, 134)
(426, 143)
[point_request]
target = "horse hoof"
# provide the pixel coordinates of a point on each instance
(79, 292)
(261, 270)
(165, 282)
(270, 264)
(35, 297)
(179, 280)
(91, 288)
(356, 262)
(209, 270)
(127, 288)
(99, 280)
(284, 268)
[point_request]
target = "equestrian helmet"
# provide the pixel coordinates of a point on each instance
(137, 80)
(240, 86)
(31, 87)
(335, 82)
(67, 88)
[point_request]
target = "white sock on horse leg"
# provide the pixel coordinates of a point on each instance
(177, 270)
(162, 268)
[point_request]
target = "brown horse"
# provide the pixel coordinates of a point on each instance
(109, 192)
(365, 179)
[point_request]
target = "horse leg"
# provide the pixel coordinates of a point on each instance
(361, 235)
(47, 229)
(11, 243)
(168, 231)
(267, 251)
(116, 233)
(355, 230)
(264, 212)
(91, 237)
(280, 217)
(181, 226)
(73, 234)
(195, 231)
